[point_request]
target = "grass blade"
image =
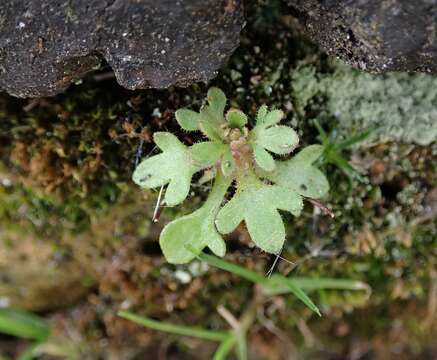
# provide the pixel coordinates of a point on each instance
(29, 354)
(279, 280)
(355, 139)
(225, 348)
(232, 268)
(241, 347)
(273, 281)
(175, 329)
(323, 136)
(311, 284)
(23, 324)
(346, 167)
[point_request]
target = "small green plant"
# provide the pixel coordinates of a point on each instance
(333, 148)
(237, 155)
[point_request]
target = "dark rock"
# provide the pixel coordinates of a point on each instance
(47, 45)
(374, 35)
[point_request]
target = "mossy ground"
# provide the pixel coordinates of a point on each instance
(67, 204)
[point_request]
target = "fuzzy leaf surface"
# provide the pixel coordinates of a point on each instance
(173, 167)
(206, 154)
(300, 175)
(257, 204)
(184, 238)
(227, 163)
(211, 115)
(217, 102)
(262, 112)
(188, 120)
(264, 160)
(236, 118)
(278, 139)
(267, 118)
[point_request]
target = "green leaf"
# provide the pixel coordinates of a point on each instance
(23, 324)
(209, 119)
(300, 175)
(354, 139)
(225, 348)
(291, 286)
(344, 165)
(257, 204)
(269, 284)
(323, 136)
(188, 120)
(173, 167)
(309, 154)
(174, 328)
(206, 154)
(31, 352)
(263, 158)
(270, 118)
(217, 102)
(236, 118)
(241, 345)
(278, 139)
(262, 112)
(211, 116)
(311, 284)
(196, 230)
(209, 124)
(227, 163)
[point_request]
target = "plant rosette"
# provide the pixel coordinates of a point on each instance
(234, 154)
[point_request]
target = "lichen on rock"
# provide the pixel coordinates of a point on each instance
(403, 107)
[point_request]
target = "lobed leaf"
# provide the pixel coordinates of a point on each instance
(278, 139)
(188, 120)
(210, 124)
(270, 118)
(217, 101)
(173, 167)
(262, 112)
(210, 117)
(300, 175)
(184, 238)
(257, 205)
(266, 134)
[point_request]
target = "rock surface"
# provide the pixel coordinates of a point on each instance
(47, 45)
(374, 35)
